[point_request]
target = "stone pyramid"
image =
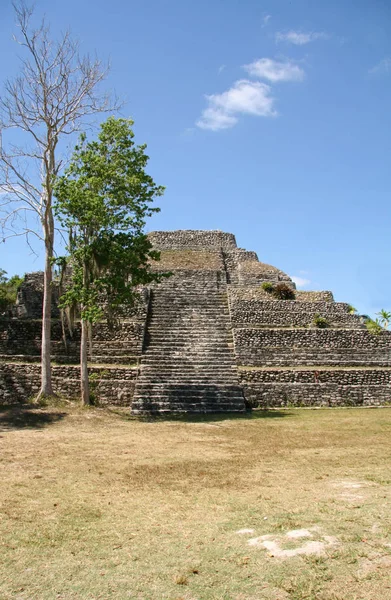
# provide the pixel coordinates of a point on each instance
(211, 338)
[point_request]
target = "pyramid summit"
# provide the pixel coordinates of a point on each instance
(223, 333)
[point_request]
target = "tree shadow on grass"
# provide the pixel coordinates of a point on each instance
(25, 416)
(216, 417)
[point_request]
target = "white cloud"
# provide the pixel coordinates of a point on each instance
(384, 66)
(300, 281)
(299, 38)
(221, 69)
(244, 97)
(266, 20)
(275, 70)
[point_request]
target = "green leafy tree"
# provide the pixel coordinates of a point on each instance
(55, 93)
(103, 200)
(8, 290)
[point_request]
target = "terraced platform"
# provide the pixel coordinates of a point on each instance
(208, 339)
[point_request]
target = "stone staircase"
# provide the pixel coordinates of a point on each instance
(188, 364)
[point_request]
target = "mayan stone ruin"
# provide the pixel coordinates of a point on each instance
(209, 338)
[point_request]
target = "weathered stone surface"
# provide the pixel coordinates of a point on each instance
(208, 339)
(30, 296)
(18, 382)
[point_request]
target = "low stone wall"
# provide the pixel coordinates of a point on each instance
(283, 313)
(294, 347)
(192, 239)
(249, 339)
(322, 296)
(381, 376)
(19, 382)
(256, 292)
(323, 394)
(292, 357)
(252, 272)
(24, 337)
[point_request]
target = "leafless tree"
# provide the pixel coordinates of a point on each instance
(54, 95)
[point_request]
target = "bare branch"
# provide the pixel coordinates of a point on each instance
(54, 95)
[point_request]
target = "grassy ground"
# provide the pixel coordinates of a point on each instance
(96, 505)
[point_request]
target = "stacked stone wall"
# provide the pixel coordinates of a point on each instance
(283, 359)
(24, 337)
(19, 382)
(288, 313)
(256, 292)
(253, 273)
(367, 376)
(294, 347)
(192, 239)
(30, 298)
(317, 395)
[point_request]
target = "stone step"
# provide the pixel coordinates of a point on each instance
(187, 350)
(188, 373)
(204, 340)
(183, 359)
(188, 363)
(193, 306)
(179, 332)
(189, 328)
(189, 388)
(189, 377)
(154, 362)
(187, 381)
(189, 395)
(177, 321)
(195, 402)
(171, 406)
(190, 319)
(174, 367)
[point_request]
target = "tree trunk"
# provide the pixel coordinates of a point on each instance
(85, 388)
(46, 368)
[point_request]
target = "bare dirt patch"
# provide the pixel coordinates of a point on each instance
(281, 546)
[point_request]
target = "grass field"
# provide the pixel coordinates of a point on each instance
(276, 505)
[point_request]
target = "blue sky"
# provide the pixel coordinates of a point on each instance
(268, 119)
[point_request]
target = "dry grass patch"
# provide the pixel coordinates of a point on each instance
(98, 505)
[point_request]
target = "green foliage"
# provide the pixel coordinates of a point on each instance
(351, 310)
(320, 322)
(384, 318)
(374, 326)
(8, 290)
(378, 325)
(103, 200)
(267, 287)
(282, 291)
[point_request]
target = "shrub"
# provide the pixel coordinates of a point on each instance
(374, 326)
(267, 287)
(320, 322)
(282, 291)
(351, 309)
